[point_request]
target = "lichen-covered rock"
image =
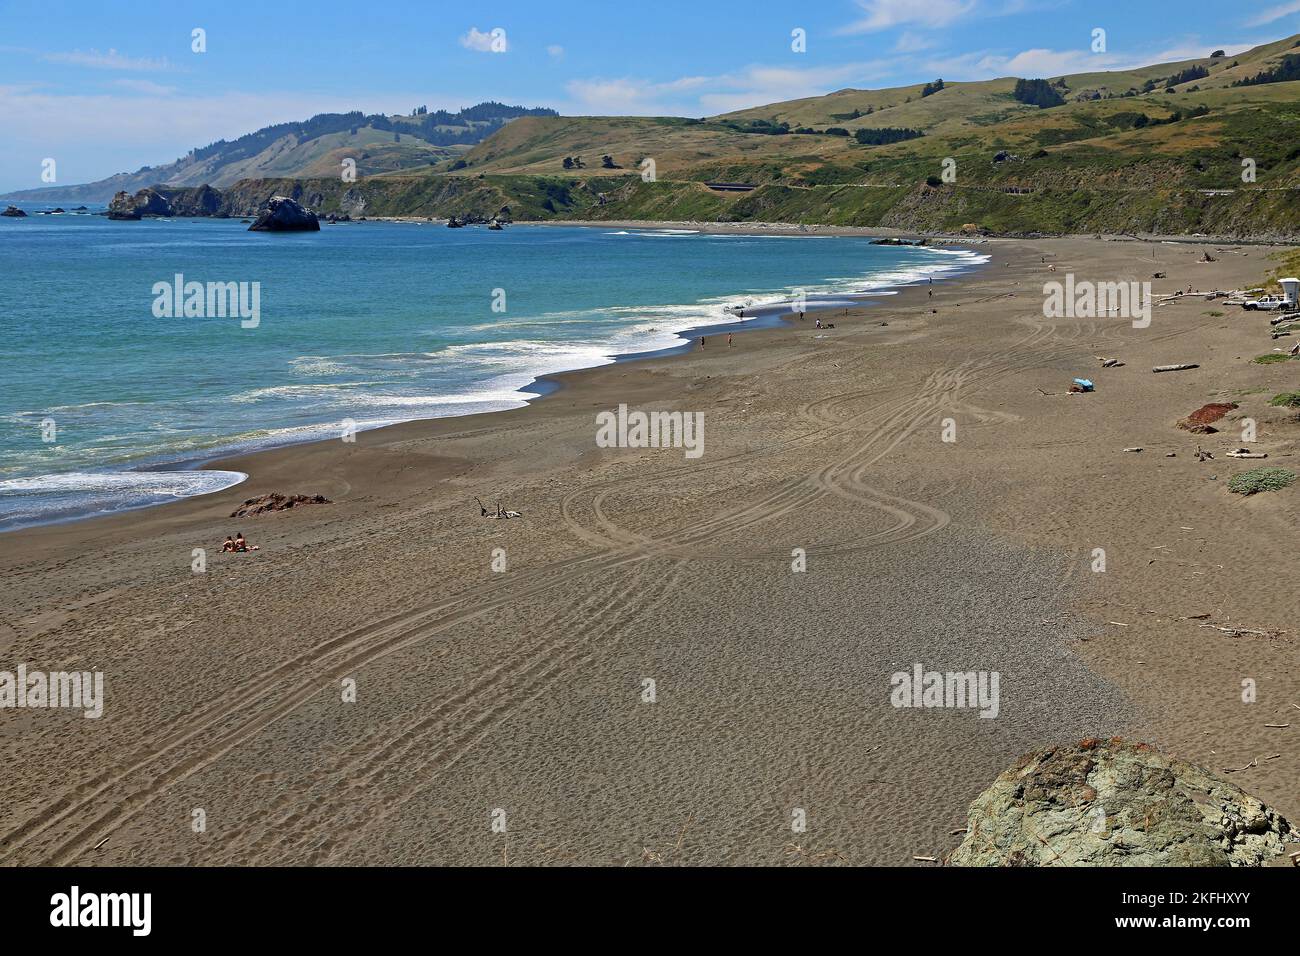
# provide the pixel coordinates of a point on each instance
(1111, 803)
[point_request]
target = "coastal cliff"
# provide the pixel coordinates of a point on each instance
(1064, 209)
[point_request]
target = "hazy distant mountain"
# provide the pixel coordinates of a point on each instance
(315, 148)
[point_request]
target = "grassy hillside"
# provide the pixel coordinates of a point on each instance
(1160, 149)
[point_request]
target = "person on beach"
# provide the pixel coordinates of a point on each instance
(701, 342)
(241, 544)
(229, 546)
(728, 340)
(819, 323)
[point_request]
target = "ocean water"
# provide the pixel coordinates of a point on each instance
(105, 404)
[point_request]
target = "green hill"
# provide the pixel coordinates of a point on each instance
(1158, 149)
(1208, 146)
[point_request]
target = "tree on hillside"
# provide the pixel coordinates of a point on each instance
(1038, 93)
(1187, 75)
(931, 88)
(1288, 69)
(885, 135)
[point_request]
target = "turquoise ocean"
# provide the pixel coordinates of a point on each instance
(105, 404)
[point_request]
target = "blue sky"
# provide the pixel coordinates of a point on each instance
(105, 86)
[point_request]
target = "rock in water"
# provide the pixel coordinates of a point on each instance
(283, 214)
(1110, 803)
(13, 211)
(123, 208)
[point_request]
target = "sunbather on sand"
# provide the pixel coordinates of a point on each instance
(241, 544)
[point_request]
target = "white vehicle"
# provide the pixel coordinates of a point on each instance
(1268, 303)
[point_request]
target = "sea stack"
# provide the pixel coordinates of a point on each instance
(282, 214)
(14, 212)
(123, 208)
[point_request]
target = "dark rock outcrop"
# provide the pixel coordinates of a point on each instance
(14, 213)
(1111, 803)
(197, 201)
(276, 502)
(165, 201)
(282, 214)
(123, 208)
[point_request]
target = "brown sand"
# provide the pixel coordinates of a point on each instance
(522, 690)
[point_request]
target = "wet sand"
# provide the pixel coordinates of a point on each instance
(524, 690)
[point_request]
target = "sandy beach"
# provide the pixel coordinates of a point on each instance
(521, 696)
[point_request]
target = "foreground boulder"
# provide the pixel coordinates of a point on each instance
(276, 502)
(13, 211)
(283, 214)
(1110, 803)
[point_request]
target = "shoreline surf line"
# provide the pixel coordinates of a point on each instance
(768, 314)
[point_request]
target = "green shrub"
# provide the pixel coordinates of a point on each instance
(1272, 358)
(1260, 479)
(1286, 400)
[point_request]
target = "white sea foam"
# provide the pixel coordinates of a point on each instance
(41, 498)
(171, 484)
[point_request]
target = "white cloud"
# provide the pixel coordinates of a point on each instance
(555, 50)
(910, 42)
(493, 41)
(1274, 13)
(884, 14)
(112, 60)
(148, 87)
